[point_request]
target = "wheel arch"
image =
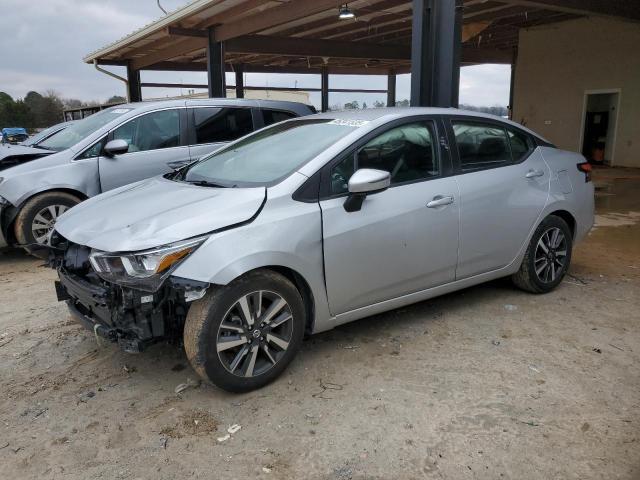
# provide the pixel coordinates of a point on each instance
(301, 285)
(7, 222)
(215, 264)
(567, 217)
(57, 189)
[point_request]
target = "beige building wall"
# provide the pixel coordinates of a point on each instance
(284, 95)
(558, 63)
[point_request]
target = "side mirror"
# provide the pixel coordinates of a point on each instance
(365, 181)
(116, 147)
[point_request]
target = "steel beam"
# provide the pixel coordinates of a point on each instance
(239, 70)
(266, 44)
(215, 67)
(187, 32)
(512, 81)
(251, 68)
(391, 88)
(435, 52)
(629, 9)
(324, 87)
(273, 17)
(134, 90)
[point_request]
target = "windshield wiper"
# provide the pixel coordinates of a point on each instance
(205, 183)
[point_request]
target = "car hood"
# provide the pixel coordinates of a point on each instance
(10, 151)
(17, 160)
(156, 212)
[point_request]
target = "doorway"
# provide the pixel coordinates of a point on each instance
(599, 126)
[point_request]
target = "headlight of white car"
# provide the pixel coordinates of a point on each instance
(145, 270)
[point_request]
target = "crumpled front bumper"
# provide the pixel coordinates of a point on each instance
(132, 318)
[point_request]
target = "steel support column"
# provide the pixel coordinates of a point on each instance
(134, 90)
(215, 67)
(512, 81)
(239, 70)
(324, 89)
(435, 52)
(391, 88)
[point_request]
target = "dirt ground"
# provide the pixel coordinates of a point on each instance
(489, 382)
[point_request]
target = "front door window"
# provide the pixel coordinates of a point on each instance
(152, 131)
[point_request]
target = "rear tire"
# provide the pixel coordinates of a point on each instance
(38, 216)
(547, 258)
(236, 354)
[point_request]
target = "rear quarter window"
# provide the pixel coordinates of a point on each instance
(274, 116)
(521, 144)
(214, 124)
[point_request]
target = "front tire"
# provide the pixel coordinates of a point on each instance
(39, 214)
(547, 258)
(242, 336)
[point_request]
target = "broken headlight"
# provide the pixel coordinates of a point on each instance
(145, 270)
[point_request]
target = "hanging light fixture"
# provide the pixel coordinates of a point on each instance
(345, 12)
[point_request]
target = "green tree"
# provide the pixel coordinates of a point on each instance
(52, 108)
(72, 103)
(402, 103)
(352, 105)
(35, 103)
(379, 104)
(116, 99)
(6, 103)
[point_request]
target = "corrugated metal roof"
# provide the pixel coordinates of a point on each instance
(174, 17)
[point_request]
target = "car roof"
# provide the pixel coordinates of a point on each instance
(298, 107)
(390, 113)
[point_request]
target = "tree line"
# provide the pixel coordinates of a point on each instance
(36, 111)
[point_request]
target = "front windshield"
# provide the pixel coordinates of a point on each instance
(82, 129)
(269, 155)
(38, 137)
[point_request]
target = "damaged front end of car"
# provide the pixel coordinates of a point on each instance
(128, 298)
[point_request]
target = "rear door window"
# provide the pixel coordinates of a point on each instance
(480, 145)
(214, 125)
(275, 116)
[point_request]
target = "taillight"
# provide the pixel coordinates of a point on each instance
(586, 168)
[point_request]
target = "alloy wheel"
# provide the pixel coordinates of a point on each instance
(551, 255)
(44, 222)
(255, 333)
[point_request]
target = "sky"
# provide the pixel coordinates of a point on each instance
(44, 41)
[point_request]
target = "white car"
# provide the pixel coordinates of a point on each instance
(315, 222)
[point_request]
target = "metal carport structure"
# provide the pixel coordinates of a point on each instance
(431, 39)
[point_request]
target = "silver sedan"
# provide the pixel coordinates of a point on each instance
(314, 222)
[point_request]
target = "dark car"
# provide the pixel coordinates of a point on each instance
(14, 135)
(30, 149)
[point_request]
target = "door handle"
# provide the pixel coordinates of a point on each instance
(534, 173)
(439, 201)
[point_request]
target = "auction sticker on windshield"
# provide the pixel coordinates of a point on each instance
(349, 123)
